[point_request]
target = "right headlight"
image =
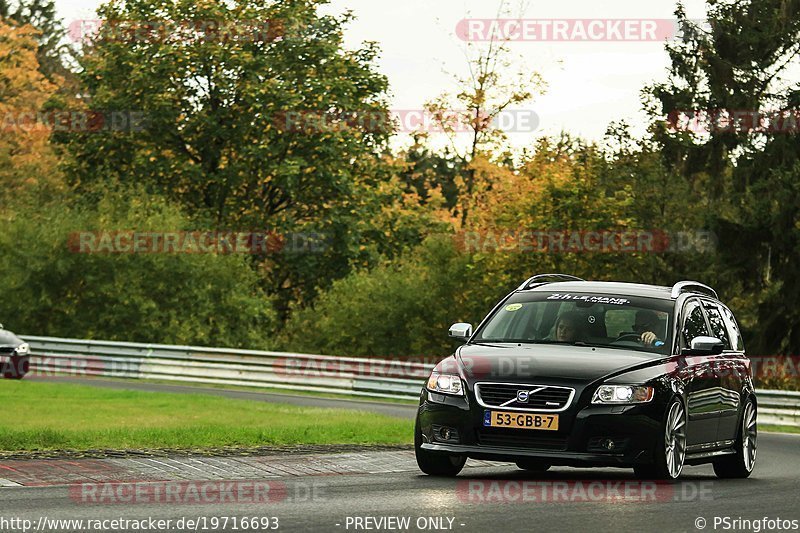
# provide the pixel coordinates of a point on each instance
(23, 349)
(622, 394)
(445, 383)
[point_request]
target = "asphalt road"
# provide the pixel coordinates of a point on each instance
(498, 498)
(584, 503)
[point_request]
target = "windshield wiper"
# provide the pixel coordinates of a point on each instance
(488, 343)
(582, 344)
(525, 341)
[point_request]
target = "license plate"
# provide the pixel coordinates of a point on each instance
(508, 419)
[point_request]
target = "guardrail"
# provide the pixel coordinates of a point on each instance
(221, 366)
(379, 378)
(778, 407)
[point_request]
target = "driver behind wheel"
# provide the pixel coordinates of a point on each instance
(645, 323)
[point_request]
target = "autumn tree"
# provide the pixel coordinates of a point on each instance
(743, 174)
(494, 84)
(256, 116)
(28, 164)
(427, 172)
(54, 54)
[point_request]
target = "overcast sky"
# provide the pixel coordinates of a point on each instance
(590, 83)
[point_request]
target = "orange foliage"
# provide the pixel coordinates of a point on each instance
(27, 160)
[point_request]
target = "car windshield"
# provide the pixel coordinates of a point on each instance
(614, 321)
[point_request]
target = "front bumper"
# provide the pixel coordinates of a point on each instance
(583, 430)
(511, 454)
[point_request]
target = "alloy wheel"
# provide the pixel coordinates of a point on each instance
(675, 439)
(749, 436)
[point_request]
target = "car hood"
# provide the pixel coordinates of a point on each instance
(8, 339)
(547, 364)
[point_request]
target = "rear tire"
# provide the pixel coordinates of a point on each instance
(16, 367)
(436, 463)
(532, 465)
(740, 465)
(670, 451)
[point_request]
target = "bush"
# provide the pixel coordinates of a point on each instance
(401, 308)
(49, 290)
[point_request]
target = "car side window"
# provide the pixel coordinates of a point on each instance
(717, 324)
(694, 324)
(737, 343)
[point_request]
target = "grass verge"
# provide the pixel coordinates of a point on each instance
(272, 390)
(778, 429)
(42, 416)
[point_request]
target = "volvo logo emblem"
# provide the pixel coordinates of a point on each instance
(522, 396)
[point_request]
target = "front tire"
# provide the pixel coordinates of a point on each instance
(436, 463)
(740, 465)
(16, 367)
(670, 451)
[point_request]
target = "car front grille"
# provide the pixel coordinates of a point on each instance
(520, 439)
(540, 397)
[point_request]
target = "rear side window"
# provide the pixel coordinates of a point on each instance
(694, 325)
(737, 343)
(717, 324)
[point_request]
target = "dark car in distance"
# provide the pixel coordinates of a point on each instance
(14, 355)
(567, 372)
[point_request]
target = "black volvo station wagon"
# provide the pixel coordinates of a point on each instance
(570, 372)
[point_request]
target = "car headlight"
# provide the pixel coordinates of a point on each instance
(622, 394)
(23, 349)
(445, 383)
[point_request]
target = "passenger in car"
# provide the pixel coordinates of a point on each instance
(570, 327)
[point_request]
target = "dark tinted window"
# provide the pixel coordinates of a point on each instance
(694, 325)
(717, 324)
(736, 336)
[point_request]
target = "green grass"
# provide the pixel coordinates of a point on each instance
(778, 429)
(42, 416)
(275, 390)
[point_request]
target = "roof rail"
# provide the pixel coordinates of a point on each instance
(542, 278)
(692, 286)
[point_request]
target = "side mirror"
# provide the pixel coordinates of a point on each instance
(461, 331)
(706, 346)
(1, 326)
